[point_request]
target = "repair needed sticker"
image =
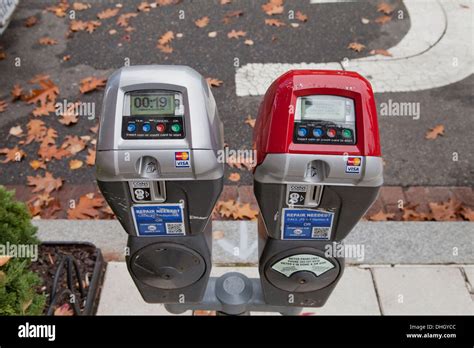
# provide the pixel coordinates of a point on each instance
(306, 224)
(159, 219)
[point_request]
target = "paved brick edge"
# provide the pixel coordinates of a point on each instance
(388, 200)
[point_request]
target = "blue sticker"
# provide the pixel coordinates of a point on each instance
(306, 224)
(159, 220)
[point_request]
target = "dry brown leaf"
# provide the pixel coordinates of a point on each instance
(48, 41)
(12, 155)
(94, 129)
(434, 132)
(213, 82)
(4, 260)
(445, 211)
(75, 164)
(64, 311)
(45, 184)
(73, 144)
(273, 7)
(92, 25)
(225, 2)
(76, 25)
(47, 93)
(44, 110)
(229, 16)
(16, 131)
(59, 10)
(3, 55)
(467, 213)
(69, 116)
(87, 207)
(90, 159)
(3, 105)
(79, 6)
(274, 22)
(383, 19)
(381, 216)
(67, 57)
(38, 78)
(381, 52)
(36, 131)
(240, 162)
(144, 7)
(248, 42)
(50, 137)
(234, 34)
(16, 92)
(250, 121)
(108, 13)
(355, 46)
(123, 19)
(166, 38)
(234, 177)
(35, 164)
(411, 214)
(385, 8)
(31, 21)
(301, 16)
(48, 152)
(91, 83)
(202, 22)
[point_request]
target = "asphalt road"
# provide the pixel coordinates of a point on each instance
(410, 159)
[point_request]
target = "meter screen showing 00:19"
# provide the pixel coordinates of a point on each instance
(152, 104)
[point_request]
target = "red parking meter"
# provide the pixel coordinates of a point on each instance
(319, 169)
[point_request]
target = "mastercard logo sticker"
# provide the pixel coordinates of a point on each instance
(353, 161)
(182, 155)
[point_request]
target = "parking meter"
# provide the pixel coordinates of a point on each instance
(319, 169)
(157, 167)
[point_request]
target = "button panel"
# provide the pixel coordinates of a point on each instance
(314, 132)
(153, 127)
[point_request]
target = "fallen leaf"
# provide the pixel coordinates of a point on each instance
(434, 132)
(31, 21)
(50, 137)
(108, 13)
(203, 312)
(236, 34)
(383, 19)
(467, 213)
(166, 38)
(112, 31)
(274, 22)
(236, 210)
(445, 211)
(90, 159)
(73, 144)
(48, 152)
(45, 184)
(79, 6)
(64, 310)
(144, 7)
(3, 55)
(229, 16)
(250, 121)
(123, 19)
(86, 208)
(39, 77)
(75, 164)
(44, 110)
(48, 41)
(35, 164)
(213, 82)
(12, 155)
(355, 46)
(301, 16)
(240, 162)
(66, 58)
(16, 92)
(411, 214)
(94, 129)
(385, 8)
(4, 260)
(381, 216)
(248, 42)
(381, 52)
(59, 10)
(202, 22)
(36, 131)
(273, 7)
(3, 105)
(234, 177)
(92, 83)
(47, 93)
(212, 34)
(16, 131)
(69, 116)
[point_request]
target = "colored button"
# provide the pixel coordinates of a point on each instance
(131, 127)
(331, 132)
(176, 127)
(146, 127)
(302, 132)
(346, 133)
(317, 132)
(160, 127)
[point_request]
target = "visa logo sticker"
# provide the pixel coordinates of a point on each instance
(182, 159)
(353, 165)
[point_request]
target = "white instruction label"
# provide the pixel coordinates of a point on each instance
(303, 262)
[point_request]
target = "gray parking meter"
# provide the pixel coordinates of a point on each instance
(319, 169)
(157, 168)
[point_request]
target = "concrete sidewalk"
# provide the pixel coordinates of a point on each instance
(235, 242)
(362, 290)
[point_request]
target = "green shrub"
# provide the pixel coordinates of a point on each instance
(18, 284)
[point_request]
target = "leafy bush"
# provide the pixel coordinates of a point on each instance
(18, 284)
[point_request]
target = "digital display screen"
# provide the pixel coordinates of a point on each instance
(152, 104)
(325, 108)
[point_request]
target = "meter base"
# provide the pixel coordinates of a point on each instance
(233, 294)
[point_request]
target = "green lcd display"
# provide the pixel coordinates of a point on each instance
(152, 104)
